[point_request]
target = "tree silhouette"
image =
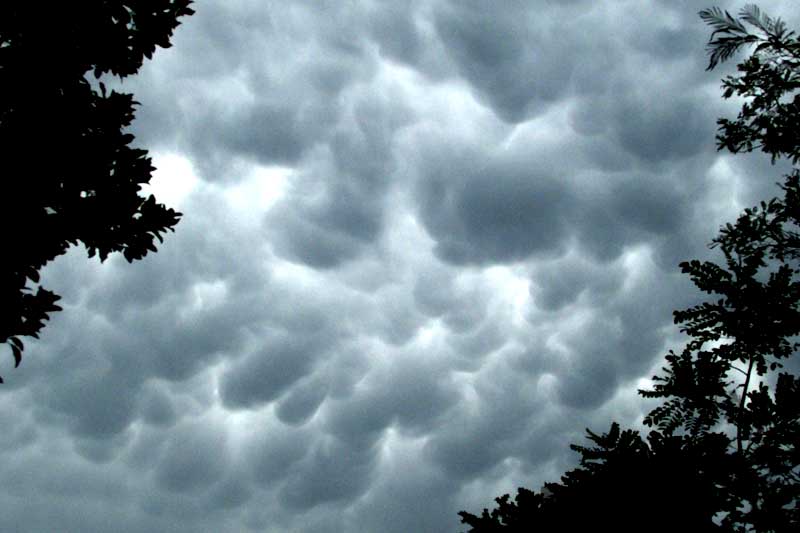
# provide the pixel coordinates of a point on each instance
(71, 173)
(622, 484)
(722, 452)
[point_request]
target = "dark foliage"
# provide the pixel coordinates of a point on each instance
(71, 174)
(769, 80)
(613, 490)
(722, 454)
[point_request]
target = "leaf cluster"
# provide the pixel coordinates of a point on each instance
(769, 79)
(725, 379)
(72, 174)
(612, 490)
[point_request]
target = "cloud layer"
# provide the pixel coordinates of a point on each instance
(424, 245)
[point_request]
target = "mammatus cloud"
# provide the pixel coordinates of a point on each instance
(424, 245)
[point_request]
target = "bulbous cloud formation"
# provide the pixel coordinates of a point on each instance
(424, 245)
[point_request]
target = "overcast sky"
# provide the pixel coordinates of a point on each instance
(425, 243)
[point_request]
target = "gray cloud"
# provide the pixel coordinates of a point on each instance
(504, 55)
(262, 376)
(467, 208)
(193, 458)
(424, 245)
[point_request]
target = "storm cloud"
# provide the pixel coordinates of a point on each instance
(424, 244)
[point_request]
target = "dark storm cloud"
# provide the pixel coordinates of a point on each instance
(156, 406)
(193, 458)
(291, 69)
(648, 127)
(408, 497)
(335, 205)
(598, 331)
(519, 202)
(496, 415)
(331, 472)
(424, 245)
(302, 401)
(396, 33)
(505, 56)
(527, 210)
(460, 303)
(561, 282)
(468, 203)
(262, 376)
(408, 393)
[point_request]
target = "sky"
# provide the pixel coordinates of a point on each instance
(424, 244)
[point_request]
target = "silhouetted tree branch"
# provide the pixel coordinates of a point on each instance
(71, 173)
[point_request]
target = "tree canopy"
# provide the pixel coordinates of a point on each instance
(722, 452)
(72, 174)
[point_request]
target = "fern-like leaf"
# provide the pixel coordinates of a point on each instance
(732, 35)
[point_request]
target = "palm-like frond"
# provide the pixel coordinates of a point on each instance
(752, 14)
(721, 21)
(772, 27)
(729, 33)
